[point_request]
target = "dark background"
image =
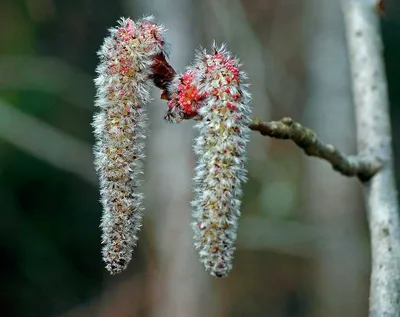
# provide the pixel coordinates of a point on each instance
(49, 227)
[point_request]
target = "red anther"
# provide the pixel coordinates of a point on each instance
(231, 106)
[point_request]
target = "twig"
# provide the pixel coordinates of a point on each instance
(287, 129)
(374, 137)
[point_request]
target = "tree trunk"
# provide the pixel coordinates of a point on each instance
(332, 201)
(374, 139)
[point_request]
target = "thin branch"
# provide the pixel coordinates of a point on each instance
(286, 129)
(374, 137)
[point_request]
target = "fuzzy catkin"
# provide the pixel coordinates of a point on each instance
(120, 127)
(221, 151)
(213, 90)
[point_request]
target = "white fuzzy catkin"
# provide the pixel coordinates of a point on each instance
(120, 127)
(221, 151)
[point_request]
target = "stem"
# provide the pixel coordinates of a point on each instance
(286, 128)
(374, 137)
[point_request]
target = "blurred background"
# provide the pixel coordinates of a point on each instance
(303, 246)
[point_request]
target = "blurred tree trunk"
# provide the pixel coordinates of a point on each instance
(226, 22)
(374, 136)
(180, 284)
(331, 200)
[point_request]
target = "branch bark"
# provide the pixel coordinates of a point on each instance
(362, 167)
(374, 137)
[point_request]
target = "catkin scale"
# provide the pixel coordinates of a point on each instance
(120, 127)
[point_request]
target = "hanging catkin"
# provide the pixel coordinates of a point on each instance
(120, 127)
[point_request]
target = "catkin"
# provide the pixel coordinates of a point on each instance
(120, 128)
(221, 151)
(214, 92)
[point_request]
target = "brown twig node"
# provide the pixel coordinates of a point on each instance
(287, 129)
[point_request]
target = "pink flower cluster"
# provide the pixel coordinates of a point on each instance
(185, 97)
